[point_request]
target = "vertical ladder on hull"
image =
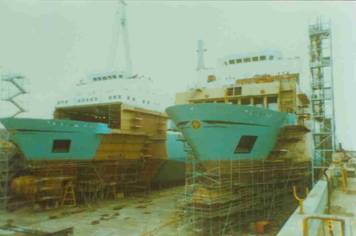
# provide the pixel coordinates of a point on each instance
(69, 195)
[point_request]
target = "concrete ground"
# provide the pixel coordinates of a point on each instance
(154, 214)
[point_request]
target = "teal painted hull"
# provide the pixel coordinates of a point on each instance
(172, 170)
(36, 137)
(229, 132)
(175, 147)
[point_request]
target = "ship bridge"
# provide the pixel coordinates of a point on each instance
(245, 65)
(243, 58)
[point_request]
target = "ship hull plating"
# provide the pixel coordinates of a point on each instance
(53, 147)
(229, 132)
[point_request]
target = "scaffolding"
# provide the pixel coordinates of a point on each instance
(7, 169)
(58, 183)
(88, 182)
(224, 197)
(12, 86)
(15, 88)
(322, 99)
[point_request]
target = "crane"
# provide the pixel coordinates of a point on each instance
(122, 28)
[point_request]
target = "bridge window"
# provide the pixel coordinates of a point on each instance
(258, 101)
(245, 144)
(272, 103)
(254, 58)
(230, 92)
(238, 61)
(262, 58)
(231, 61)
(237, 90)
(245, 101)
(247, 59)
(61, 145)
(270, 57)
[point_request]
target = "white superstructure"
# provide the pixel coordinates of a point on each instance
(107, 88)
(247, 65)
(113, 87)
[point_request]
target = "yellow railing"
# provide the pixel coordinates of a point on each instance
(299, 199)
(325, 219)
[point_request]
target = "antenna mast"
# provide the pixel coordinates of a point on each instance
(125, 38)
(117, 30)
(200, 55)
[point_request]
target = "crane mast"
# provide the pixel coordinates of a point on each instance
(125, 38)
(121, 29)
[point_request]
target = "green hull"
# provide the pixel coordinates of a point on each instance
(229, 132)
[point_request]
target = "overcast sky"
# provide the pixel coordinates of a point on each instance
(56, 43)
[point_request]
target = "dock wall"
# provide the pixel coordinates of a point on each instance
(314, 204)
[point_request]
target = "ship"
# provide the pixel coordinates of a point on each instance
(230, 116)
(245, 124)
(223, 132)
(108, 136)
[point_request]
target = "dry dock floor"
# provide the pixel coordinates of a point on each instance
(157, 213)
(153, 214)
